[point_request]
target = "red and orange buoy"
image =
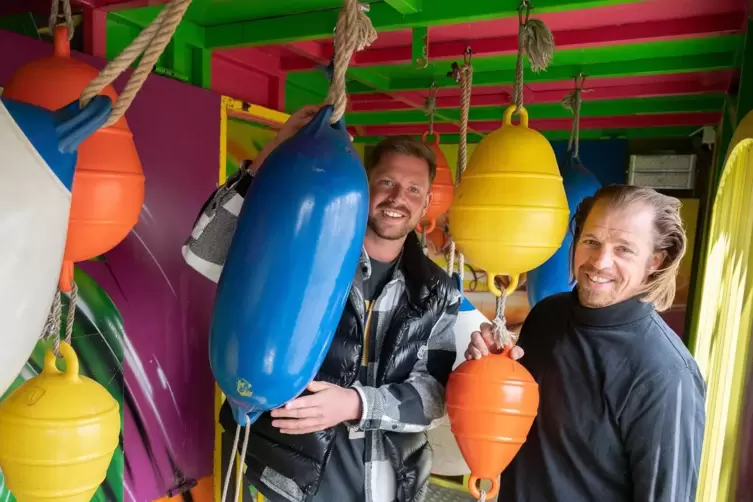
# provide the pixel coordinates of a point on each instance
(492, 403)
(443, 188)
(108, 186)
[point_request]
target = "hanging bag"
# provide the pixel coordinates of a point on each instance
(206, 249)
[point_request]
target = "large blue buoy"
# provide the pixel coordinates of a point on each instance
(289, 269)
(37, 162)
(553, 276)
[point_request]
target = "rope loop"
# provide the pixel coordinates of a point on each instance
(430, 106)
(573, 101)
(152, 42)
(55, 17)
(535, 41)
(354, 32)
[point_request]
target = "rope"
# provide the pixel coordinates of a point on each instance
(52, 325)
(234, 450)
(244, 449)
(535, 41)
(451, 258)
(151, 42)
(464, 75)
(353, 33)
(430, 106)
(502, 335)
(67, 15)
(572, 101)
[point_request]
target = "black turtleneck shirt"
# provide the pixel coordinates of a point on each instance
(621, 412)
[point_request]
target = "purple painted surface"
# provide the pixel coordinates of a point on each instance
(166, 306)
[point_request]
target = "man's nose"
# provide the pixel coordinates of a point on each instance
(602, 259)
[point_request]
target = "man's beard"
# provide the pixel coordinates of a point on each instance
(391, 234)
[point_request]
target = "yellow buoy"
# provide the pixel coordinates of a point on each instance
(510, 212)
(58, 432)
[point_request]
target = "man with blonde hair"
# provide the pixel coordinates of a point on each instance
(621, 414)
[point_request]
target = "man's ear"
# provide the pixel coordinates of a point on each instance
(656, 260)
(427, 203)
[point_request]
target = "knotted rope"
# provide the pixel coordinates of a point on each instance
(535, 41)
(151, 42)
(354, 32)
(67, 15)
(572, 101)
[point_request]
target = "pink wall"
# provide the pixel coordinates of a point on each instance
(166, 306)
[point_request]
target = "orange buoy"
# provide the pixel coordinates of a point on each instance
(108, 186)
(492, 403)
(443, 188)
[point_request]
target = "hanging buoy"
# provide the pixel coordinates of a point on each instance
(442, 189)
(37, 162)
(448, 460)
(108, 189)
(553, 276)
(492, 403)
(289, 268)
(510, 211)
(58, 432)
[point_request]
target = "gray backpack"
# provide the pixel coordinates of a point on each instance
(206, 249)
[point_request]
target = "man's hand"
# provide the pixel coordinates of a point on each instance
(328, 406)
(296, 122)
(482, 343)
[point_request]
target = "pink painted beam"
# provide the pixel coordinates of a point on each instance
(310, 51)
(249, 74)
(623, 122)
(116, 5)
(605, 88)
(252, 58)
(95, 32)
(645, 31)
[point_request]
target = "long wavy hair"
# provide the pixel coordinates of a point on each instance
(668, 236)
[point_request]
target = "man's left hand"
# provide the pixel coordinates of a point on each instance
(327, 406)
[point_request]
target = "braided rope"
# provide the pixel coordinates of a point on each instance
(151, 42)
(502, 335)
(67, 15)
(536, 41)
(430, 106)
(573, 101)
(353, 33)
(465, 77)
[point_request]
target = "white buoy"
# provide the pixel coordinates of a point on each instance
(37, 162)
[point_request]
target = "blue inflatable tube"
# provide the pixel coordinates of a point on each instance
(553, 276)
(289, 269)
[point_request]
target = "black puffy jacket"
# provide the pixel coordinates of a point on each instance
(426, 307)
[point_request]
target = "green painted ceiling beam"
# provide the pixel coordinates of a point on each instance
(585, 134)
(667, 56)
(319, 24)
(190, 33)
(406, 6)
(611, 107)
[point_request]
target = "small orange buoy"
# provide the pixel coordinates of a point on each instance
(492, 403)
(108, 186)
(443, 188)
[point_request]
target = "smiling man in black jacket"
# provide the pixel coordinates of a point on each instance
(359, 433)
(621, 414)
